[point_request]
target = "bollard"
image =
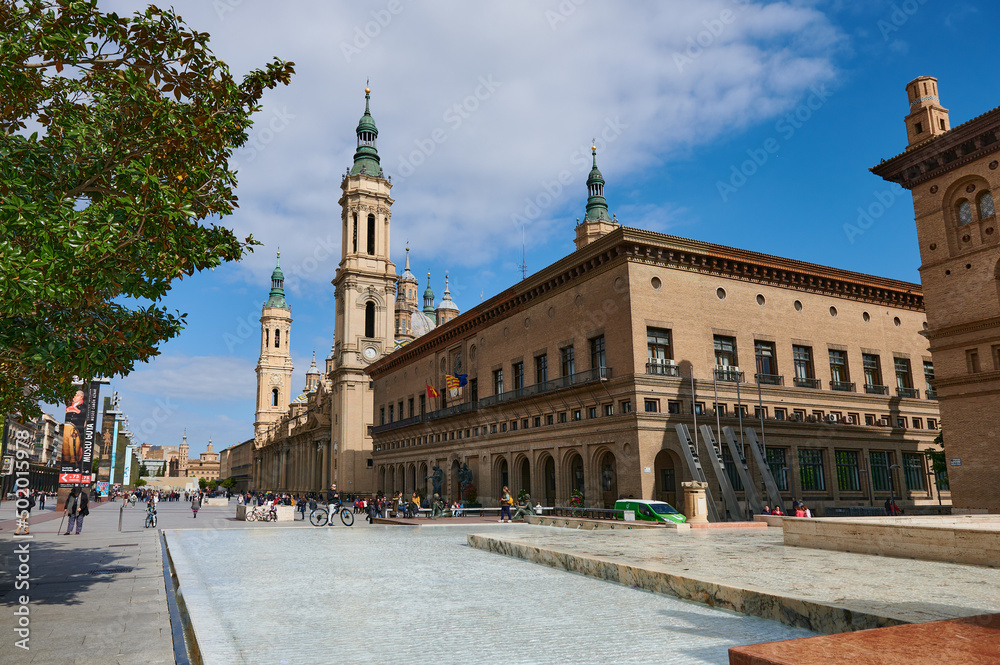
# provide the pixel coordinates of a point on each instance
(120, 512)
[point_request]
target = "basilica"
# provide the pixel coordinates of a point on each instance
(322, 435)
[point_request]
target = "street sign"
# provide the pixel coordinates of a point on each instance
(955, 461)
(8, 466)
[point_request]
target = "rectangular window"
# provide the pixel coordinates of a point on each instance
(577, 414)
(731, 472)
(541, 369)
(562, 417)
(759, 412)
(903, 380)
(538, 421)
(929, 379)
(497, 381)
(609, 409)
(503, 427)
(524, 423)
(720, 408)
(880, 462)
(838, 367)
(873, 372)
(568, 358)
(869, 419)
(918, 423)
(423, 404)
(725, 351)
(592, 412)
(811, 470)
(598, 360)
(780, 414)
(848, 477)
(652, 405)
(409, 404)
(517, 370)
(658, 345)
(972, 361)
(381, 415)
(493, 429)
(699, 408)
(913, 469)
(931, 423)
(803, 364)
(777, 462)
(390, 413)
(767, 368)
(474, 390)
(673, 406)
(549, 419)
(400, 409)
(513, 426)
(626, 406)
(995, 350)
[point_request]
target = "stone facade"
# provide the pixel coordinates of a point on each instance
(579, 374)
(951, 174)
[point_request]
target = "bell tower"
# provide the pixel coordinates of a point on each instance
(927, 118)
(365, 290)
(597, 222)
(274, 368)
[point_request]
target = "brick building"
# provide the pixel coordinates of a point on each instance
(951, 173)
(579, 374)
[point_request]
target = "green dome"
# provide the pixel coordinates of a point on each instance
(597, 205)
(277, 296)
(366, 158)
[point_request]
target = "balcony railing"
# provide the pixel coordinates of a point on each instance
(464, 407)
(563, 382)
(873, 389)
(730, 374)
(843, 386)
(769, 379)
(662, 368)
(931, 394)
(908, 392)
(806, 382)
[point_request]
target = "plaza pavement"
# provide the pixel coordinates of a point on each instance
(80, 615)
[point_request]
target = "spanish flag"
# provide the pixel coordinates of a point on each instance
(431, 392)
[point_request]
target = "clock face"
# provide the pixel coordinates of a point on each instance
(370, 353)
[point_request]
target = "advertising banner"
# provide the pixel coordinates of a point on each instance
(102, 488)
(127, 473)
(79, 433)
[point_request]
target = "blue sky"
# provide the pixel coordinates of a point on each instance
(680, 95)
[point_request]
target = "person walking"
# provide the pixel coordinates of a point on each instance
(195, 505)
(506, 501)
(76, 508)
(41, 500)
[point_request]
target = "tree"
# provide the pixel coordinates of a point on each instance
(115, 135)
(139, 482)
(202, 483)
(143, 471)
(228, 483)
(939, 464)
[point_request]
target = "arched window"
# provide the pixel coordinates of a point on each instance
(964, 212)
(371, 234)
(267, 337)
(277, 338)
(986, 205)
(370, 320)
(274, 397)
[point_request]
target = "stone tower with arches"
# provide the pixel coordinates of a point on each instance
(274, 367)
(365, 290)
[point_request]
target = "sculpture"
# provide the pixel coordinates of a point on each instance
(438, 509)
(436, 478)
(524, 509)
(464, 477)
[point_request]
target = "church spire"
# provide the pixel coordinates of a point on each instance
(366, 160)
(277, 296)
(429, 298)
(597, 206)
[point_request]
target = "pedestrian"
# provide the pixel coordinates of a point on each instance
(506, 501)
(195, 505)
(41, 500)
(76, 509)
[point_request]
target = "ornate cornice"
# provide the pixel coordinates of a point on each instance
(961, 145)
(635, 245)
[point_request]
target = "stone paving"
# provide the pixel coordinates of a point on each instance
(383, 594)
(902, 590)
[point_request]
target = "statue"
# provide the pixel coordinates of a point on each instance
(436, 478)
(464, 477)
(524, 509)
(438, 509)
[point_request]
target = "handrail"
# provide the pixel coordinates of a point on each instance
(563, 382)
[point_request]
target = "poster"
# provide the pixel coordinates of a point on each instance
(102, 488)
(79, 432)
(127, 473)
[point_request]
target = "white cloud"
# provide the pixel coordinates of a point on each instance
(544, 86)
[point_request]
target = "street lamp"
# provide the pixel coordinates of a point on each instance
(892, 500)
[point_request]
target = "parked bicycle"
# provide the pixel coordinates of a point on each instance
(322, 516)
(263, 514)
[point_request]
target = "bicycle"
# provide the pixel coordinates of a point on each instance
(150, 520)
(321, 516)
(262, 514)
